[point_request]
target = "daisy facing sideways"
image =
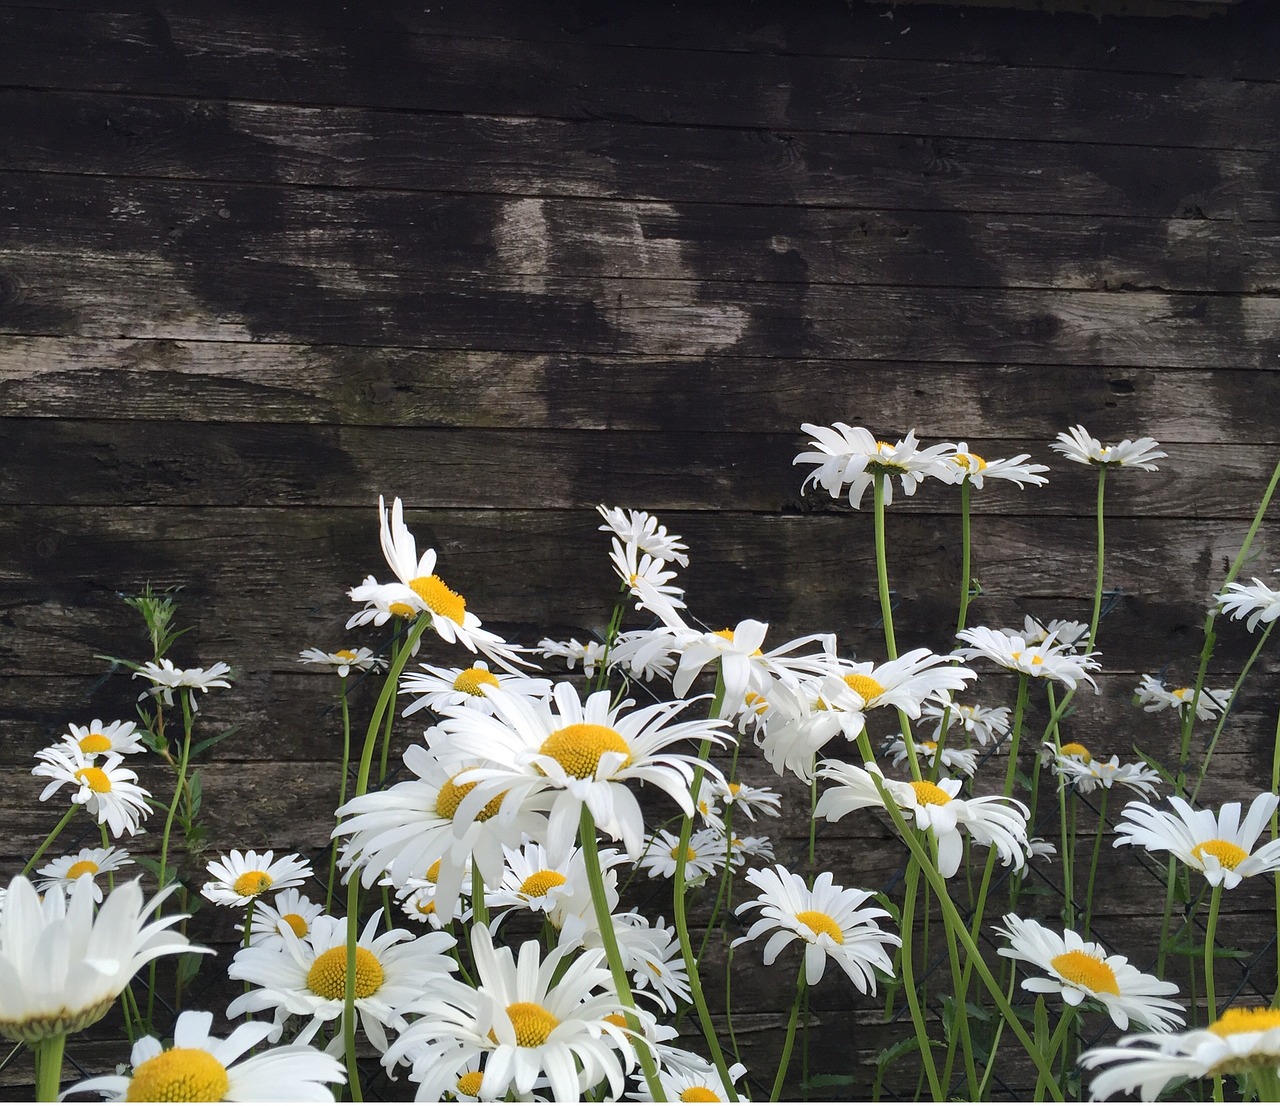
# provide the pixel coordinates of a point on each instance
(830, 920)
(201, 1068)
(92, 863)
(1078, 970)
(851, 455)
(1154, 696)
(107, 791)
(1256, 602)
(969, 466)
(1219, 846)
(344, 661)
(1049, 659)
(1078, 445)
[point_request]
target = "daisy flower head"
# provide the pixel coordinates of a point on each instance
(1078, 970)
(851, 455)
(582, 753)
(64, 965)
(344, 661)
(1256, 602)
(107, 791)
(555, 886)
(704, 1085)
(99, 738)
(641, 529)
(1220, 846)
(703, 856)
(1078, 445)
(90, 863)
(830, 920)
(742, 849)
(201, 1068)
(1154, 696)
(308, 977)
(530, 1017)
(1086, 773)
(799, 724)
(747, 799)
(649, 581)
(1064, 631)
(166, 678)
(382, 602)
(651, 955)
(992, 820)
(1243, 1040)
(1050, 659)
(906, 683)
(985, 724)
(969, 466)
(964, 761)
(437, 688)
(574, 652)
(290, 910)
(647, 654)
(239, 878)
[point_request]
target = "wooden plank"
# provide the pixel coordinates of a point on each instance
(527, 239)
(246, 465)
(153, 299)
(210, 57)
(107, 134)
(265, 383)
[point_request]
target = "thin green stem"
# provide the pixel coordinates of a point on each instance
(349, 1008)
(479, 908)
(342, 787)
(1210, 930)
(965, 557)
(1275, 832)
(1097, 590)
(910, 894)
(1222, 718)
(962, 1018)
(183, 760)
(789, 1041)
(54, 834)
(1056, 1042)
(882, 569)
(1093, 864)
(610, 636)
(49, 1068)
(386, 746)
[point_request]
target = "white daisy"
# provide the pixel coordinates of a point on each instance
(651, 954)
(993, 820)
(1244, 1040)
(1255, 601)
(1050, 659)
(406, 829)
(62, 967)
(290, 910)
(703, 857)
(701, 1086)
(382, 602)
(964, 761)
(201, 1068)
(1078, 445)
(106, 791)
(574, 652)
(98, 738)
(646, 654)
(437, 688)
(1079, 969)
(90, 863)
(308, 977)
(969, 466)
(1154, 696)
(986, 724)
(166, 679)
(239, 879)
(1219, 846)
(906, 683)
(648, 580)
(583, 752)
(344, 661)
(529, 1024)
(851, 455)
(831, 920)
(641, 529)
(1086, 775)
(799, 724)
(557, 887)
(742, 849)
(747, 799)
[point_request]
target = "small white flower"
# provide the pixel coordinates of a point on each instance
(906, 683)
(98, 738)
(969, 466)
(344, 661)
(166, 679)
(1048, 660)
(1087, 772)
(1255, 601)
(1078, 445)
(749, 800)
(703, 857)
(573, 652)
(648, 580)
(106, 791)
(438, 688)
(986, 724)
(290, 910)
(86, 864)
(641, 529)
(851, 455)
(830, 920)
(964, 761)
(1066, 633)
(242, 878)
(1154, 696)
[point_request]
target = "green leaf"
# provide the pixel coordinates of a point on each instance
(209, 742)
(1154, 764)
(195, 789)
(188, 966)
(831, 1081)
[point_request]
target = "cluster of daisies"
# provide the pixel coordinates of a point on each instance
(498, 955)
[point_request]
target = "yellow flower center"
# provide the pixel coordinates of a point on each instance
(82, 868)
(469, 1084)
(1075, 749)
(689, 854)
(1087, 972)
(728, 636)
(1181, 692)
(93, 743)
(819, 922)
(425, 907)
(439, 597)
(297, 923)
(345, 654)
(734, 788)
(541, 882)
(402, 610)
(616, 1019)
(1238, 1019)
(930, 747)
(251, 884)
(970, 462)
(758, 703)
(179, 1075)
(95, 779)
(1228, 853)
(450, 798)
(578, 748)
(328, 975)
(533, 1024)
(864, 686)
(433, 872)
(929, 794)
(472, 681)
(700, 1094)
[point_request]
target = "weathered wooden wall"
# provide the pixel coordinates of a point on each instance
(512, 259)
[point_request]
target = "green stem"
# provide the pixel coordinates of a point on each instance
(1093, 864)
(610, 636)
(609, 939)
(1171, 880)
(1056, 1042)
(965, 557)
(386, 746)
(1210, 929)
(1275, 832)
(479, 908)
(909, 982)
(181, 782)
(1097, 591)
(54, 834)
(48, 1062)
(342, 787)
(349, 1008)
(790, 1039)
